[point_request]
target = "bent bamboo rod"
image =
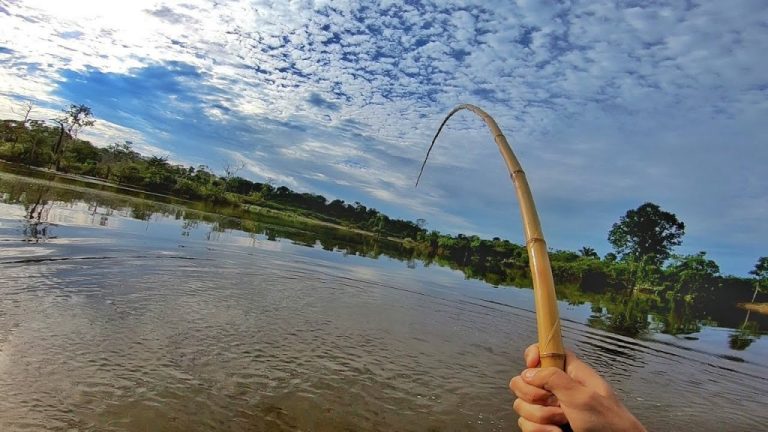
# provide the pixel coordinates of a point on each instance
(551, 347)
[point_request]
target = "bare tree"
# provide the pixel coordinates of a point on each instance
(16, 128)
(232, 168)
(25, 109)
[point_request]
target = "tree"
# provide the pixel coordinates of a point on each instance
(232, 168)
(646, 234)
(26, 108)
(76, 118)
(692, 276)
(119, 152)
(760, 272)
(588, 252)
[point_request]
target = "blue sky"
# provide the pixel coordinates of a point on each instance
(608, 104)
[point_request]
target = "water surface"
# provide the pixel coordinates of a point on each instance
(119, 313)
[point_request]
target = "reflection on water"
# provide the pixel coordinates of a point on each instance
(120, 313)
(623, 314)
(627, 313)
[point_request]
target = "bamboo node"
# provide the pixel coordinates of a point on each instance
(554, 333)
(533, 240)
(552, 354)
(514, 174)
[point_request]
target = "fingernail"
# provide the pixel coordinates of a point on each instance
(530, 373)
(552, 401)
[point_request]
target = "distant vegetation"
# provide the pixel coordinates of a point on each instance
(642, 270)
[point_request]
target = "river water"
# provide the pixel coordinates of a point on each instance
(117, 314)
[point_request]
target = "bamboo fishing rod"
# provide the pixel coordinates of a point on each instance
(551, 348)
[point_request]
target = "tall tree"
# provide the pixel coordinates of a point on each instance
(646, 234)
(760, 272)
(75, 118)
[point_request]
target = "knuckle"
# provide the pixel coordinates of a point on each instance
(551, 416)
(526, 425)
(514, 384)
(540, 397)
(537, 416)
(541, 416)
(516, 405)
(544, 377)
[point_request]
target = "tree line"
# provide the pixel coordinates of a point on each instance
(642, 263)
(54, 145)
(643, 239)
(628, 312)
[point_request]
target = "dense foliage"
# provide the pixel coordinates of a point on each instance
(647, 233)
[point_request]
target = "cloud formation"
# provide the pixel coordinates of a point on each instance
(609, 104)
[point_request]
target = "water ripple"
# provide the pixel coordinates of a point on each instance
(222, 340)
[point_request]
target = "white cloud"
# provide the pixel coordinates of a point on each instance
(607, 105)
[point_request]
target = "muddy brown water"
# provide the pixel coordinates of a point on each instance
(113, 323)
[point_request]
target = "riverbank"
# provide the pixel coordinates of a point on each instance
(41, 173)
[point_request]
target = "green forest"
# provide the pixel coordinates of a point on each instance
(643, 264)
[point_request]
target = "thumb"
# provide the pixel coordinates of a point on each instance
(553, 380)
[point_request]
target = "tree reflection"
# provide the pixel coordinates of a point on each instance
(741, 338)
(36, 208)
(680, 318)
(623, 314)
(618, 309)
(141, 212)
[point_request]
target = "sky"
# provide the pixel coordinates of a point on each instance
(607, 104)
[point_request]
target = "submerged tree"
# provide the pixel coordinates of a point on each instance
(760, 272)
(646, 234)
(692, 277)
(625, 315)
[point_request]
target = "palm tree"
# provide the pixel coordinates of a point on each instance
(588, 252)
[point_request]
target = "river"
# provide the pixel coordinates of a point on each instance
(118, 313)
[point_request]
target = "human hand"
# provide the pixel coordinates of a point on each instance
(549, 397)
